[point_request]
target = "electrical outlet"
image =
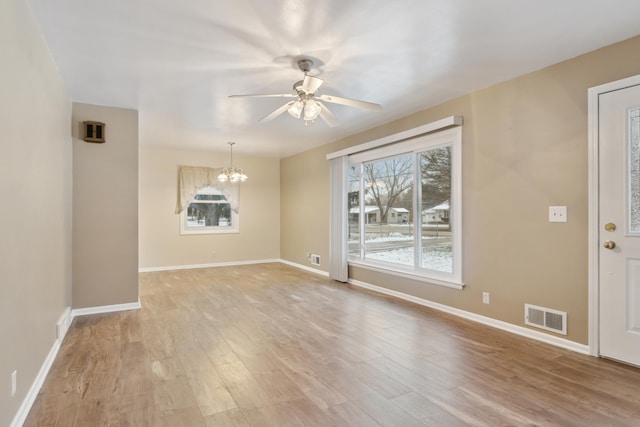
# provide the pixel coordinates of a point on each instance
(485, 297)
(14, 382)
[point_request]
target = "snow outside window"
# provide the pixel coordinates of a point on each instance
(403, 208)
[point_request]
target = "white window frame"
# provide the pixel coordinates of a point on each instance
(235, 216)
(451, 137)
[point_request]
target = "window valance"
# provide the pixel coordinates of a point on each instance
(193, 178)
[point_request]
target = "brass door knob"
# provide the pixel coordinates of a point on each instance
(609, 244)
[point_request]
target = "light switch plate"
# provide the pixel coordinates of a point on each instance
(557, 214)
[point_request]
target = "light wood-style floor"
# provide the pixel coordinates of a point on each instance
(270, 345)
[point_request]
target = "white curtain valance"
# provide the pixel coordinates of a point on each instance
(193, 178)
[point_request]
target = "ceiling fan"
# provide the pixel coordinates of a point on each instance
(307, 105)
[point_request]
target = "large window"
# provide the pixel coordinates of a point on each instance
(209, 212)
(403, 203)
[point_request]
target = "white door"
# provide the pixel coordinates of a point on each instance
(619, 224)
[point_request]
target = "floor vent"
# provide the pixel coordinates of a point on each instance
(545, 318)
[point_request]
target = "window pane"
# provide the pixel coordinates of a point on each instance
(435, 179)
(211, 211)
(353, 201)
(209, 215)
(389, 189)
(634, 171)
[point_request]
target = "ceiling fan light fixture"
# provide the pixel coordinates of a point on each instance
(296, 109)
(311, 110)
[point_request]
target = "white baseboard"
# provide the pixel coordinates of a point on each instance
(499, 324)
(304, 267)
(231, 264)
(215, 264)
(27, 403)
(63, 323)
(105, 309)
(62, 327)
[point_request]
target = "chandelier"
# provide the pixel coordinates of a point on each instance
(232, 174)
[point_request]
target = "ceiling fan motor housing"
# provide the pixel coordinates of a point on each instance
(297, 87)
(305, 65)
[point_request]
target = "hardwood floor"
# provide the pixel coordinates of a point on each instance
(270, 345)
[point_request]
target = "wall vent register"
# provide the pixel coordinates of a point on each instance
(93, 131)
(545, 318)
(314, 259)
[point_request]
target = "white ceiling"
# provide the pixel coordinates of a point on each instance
(177, 61)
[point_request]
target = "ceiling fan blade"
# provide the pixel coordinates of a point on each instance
(311, 84)
(266, 95)
(351, 102)
(327, 115)
(276, 113)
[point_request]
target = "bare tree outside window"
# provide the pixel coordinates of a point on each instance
(386, 181)
(387, 224)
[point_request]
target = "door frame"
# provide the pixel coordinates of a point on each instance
(594, 205)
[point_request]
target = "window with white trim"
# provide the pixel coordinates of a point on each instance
(210, 212)
(404, 208)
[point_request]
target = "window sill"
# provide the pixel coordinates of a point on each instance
(207, 231)
(410, 274)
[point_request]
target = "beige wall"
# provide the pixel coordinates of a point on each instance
(161, 244)
(524, 149)
(35, 230)
(105, 209)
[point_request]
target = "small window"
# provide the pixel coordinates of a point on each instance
(209, 212)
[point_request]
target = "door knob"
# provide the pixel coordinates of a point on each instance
(609, 244)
